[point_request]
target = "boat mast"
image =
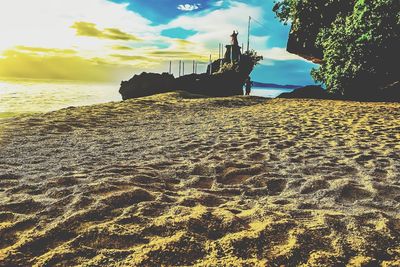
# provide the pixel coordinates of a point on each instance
(248, 35)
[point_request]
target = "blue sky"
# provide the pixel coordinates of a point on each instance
(111, 40)
(162, 12)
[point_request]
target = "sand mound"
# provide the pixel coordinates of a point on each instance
(181, 180)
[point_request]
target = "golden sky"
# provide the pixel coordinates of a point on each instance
(102, 40)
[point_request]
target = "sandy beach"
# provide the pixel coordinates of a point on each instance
(181, 180)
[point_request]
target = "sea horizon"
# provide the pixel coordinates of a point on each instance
(30, 96)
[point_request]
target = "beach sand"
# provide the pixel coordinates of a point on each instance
(175, 179)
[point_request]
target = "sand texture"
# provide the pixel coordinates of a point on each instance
(175, 180)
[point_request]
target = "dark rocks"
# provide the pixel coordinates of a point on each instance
(390, 93)
(226, 80)
(224, 77)
(147, 84)
(219, 84)
(311, 92)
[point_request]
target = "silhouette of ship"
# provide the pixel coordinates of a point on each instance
(224, 77)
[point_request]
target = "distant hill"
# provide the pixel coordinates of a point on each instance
(272, 85)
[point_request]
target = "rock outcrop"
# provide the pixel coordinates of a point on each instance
(308, 24)
(310, 92)
(219, 84)
(147, 84)
(226, 79)
(390, 93)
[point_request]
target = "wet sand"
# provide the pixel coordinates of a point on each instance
(177, 180)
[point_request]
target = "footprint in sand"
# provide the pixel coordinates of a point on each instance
(204, 199)
(125, 199)
(195, 181)
(28, 206)
(9, 234)
(235, 176)
(313, 186)
(257, 156)
(273, 186)
(352, 192)
(8, 180)
(9, 176)
(98, 238)
(201, 169)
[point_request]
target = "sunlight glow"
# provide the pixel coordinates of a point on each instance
(101, 40)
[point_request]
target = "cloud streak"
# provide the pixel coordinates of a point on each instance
(188, 7)
(121, 47)
(129, 58)
(44, 50)
(90, 30)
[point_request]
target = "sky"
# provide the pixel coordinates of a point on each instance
(111, 40)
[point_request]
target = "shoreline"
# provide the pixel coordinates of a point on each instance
(180, 180)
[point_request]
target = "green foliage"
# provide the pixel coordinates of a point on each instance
(248, 61)
(359, 40)
(228, 67)
(253, 56)
(313, 14)
(361, 51)
(285, 10)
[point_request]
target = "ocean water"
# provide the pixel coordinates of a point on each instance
(26, 97)
(269, 92)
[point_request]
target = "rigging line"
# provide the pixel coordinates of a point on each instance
(259, 22)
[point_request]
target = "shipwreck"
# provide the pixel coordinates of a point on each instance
(224, 76)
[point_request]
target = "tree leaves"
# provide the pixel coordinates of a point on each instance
(360, 41)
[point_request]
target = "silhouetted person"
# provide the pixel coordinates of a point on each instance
(234, 41)
(248, 85)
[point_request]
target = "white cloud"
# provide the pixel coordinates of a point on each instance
(278, 53)
(189, 7)
(215, 27)
(219, 3)
(46, 23)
